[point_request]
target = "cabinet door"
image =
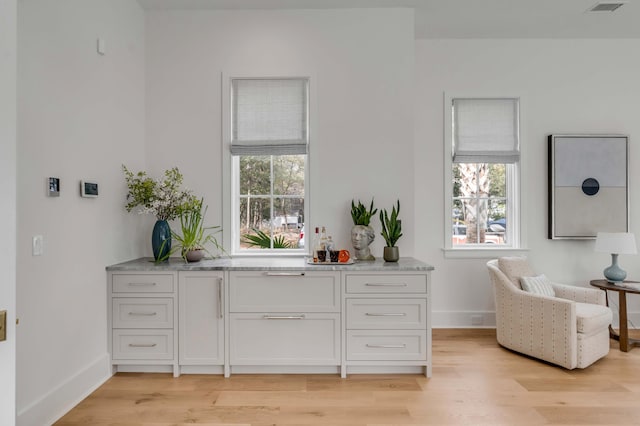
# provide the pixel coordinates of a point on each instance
(201, 325)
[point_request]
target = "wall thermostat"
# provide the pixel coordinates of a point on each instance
(88, 189)
(53, 187)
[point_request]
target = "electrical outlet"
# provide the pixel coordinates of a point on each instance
(3, 326)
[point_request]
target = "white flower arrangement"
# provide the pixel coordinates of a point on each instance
(161, 197)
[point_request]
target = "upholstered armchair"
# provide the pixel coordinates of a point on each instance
(569, 329)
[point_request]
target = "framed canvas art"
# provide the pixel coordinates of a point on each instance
(588, 185)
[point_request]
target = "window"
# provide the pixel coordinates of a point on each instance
(269, 138)
(483, 155)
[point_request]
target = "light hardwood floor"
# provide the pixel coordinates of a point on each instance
(475, 382)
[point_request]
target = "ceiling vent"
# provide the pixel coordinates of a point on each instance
(606, 7)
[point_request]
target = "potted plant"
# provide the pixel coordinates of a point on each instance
(362, 234)
(391, 232)
(261, 240)
(164, 198)
(195, 236)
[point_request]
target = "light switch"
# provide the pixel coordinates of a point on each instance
(102, 46)
(37, 248)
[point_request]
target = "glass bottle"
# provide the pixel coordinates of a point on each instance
(330, 244)
(322, 255)
(315, 245)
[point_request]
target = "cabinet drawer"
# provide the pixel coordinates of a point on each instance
(143, 344)
(142, 313)
(380, 283)
(285, 339)
(391, 345)
(142, 283)
(284, 292)
(387, 314)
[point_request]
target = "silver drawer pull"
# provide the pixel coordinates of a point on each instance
(387, 346)
(142, 345)
(389, 314)
(386, 285)
(284, 317)
(284, 274)
(219, 297)
(141, 284)
(143, 314)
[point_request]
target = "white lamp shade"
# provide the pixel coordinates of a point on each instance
(616, 242)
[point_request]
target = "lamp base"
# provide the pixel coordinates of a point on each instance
(614, 274)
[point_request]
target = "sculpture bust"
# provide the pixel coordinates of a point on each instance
(361, 237)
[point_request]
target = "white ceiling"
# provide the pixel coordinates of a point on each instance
(467, 18)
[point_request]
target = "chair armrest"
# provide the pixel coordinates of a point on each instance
(580, 294)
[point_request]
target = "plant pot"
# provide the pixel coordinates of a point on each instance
(194, 255)
(391, 254)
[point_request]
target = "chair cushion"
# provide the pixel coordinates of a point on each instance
(514, 268)
(538, 285)
(592, 317)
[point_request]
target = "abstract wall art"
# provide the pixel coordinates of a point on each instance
(588, 185)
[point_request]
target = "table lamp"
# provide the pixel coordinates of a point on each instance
(615, 243)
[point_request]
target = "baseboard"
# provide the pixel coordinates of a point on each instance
(487, 319)
(57, 402)
(463, 319)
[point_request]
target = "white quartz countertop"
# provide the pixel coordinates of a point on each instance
(268, 263)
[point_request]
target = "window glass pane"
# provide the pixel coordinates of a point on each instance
(497, 180)
(497, 222)
(288, 213)
(254, 213)
(287, 222)
(459, 227)
(271, 216)
(479, 204)
(256, 238)
(255, 172)
(288, 174)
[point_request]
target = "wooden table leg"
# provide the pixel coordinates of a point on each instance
(622, 317)
(622, 336)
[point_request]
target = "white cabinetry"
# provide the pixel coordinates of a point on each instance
(284, 319)
(387, 321)
(235, 316)
(142, 310)
(201, 320)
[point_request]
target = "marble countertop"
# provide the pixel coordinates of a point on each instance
(269, 264)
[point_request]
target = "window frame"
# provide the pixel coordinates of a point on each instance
(230, 169)
(513, 173)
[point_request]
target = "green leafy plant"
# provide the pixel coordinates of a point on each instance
(262, 240)
(164, 198)
(360, 214)
(195, 236)
(391, 225)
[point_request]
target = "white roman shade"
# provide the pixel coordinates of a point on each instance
(485, 130)
(269, 116)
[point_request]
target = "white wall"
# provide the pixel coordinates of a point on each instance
(361, 63)
(567, 86)
(80, 115)
(8, 29)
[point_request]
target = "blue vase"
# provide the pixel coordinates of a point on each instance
(161, 240)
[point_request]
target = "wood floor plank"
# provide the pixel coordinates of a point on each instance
(475, 382)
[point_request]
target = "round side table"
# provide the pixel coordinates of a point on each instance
(626, 343)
